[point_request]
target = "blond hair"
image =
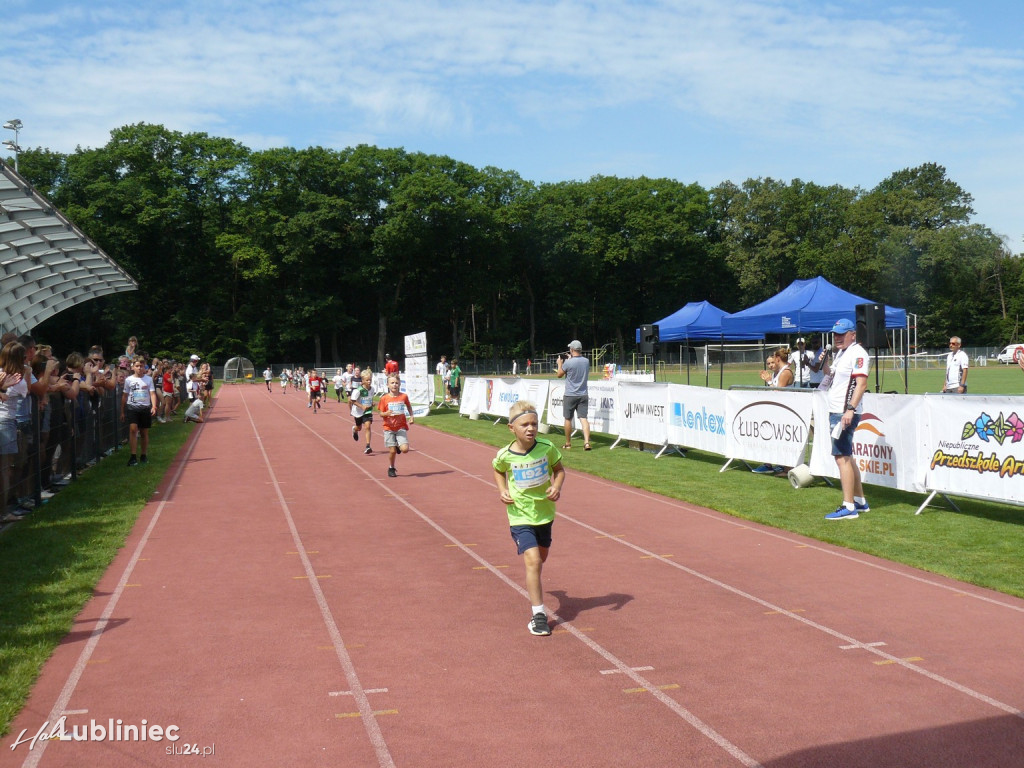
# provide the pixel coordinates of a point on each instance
(519, 407)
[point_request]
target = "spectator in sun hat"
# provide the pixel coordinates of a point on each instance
(801, 359)
(192, 367)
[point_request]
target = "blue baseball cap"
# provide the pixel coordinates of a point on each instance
(844, 326)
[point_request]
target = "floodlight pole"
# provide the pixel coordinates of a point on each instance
(16, 126)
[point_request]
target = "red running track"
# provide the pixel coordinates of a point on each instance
(283, 603)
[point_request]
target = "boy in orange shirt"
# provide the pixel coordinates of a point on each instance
(396, 412)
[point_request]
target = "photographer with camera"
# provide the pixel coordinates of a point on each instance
(575, 369)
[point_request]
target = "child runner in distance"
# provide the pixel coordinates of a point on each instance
(529, 475)
(361, 407)
(316, 386)
(396, 413)
(138, 407)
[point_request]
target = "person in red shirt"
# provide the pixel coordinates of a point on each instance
(316, 385)
(396, 411)
(391, 366)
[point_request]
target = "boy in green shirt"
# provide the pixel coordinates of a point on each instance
(529, 475)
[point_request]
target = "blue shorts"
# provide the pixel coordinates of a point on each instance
(843, 445)
(530, 536)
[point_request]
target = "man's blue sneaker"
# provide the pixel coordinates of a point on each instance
(764, 469)
(861, 507)
(843, 514)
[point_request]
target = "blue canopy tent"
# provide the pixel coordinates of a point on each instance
(697, 320)
(805, 306)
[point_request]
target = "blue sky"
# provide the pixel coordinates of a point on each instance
(697, 90)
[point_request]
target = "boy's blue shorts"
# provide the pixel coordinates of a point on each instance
(530, 536)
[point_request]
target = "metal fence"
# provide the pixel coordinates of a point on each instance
(62, 438)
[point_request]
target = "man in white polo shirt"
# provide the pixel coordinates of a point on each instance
(956, 369)
(848, 375)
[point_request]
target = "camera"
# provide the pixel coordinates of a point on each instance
(69, 377)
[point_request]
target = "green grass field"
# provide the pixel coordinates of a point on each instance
(51, 562)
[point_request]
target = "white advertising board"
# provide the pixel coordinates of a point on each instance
(885, 443)
(643, 412)
(770, 427)
(696, 418)
(601, 412)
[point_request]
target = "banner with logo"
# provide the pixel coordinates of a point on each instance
(600, 409)
(417, 382)
(643, 412)
(974, 446)
(474, 396)
(886, 443)
(770, 427)
(494, 396)
(696, 418)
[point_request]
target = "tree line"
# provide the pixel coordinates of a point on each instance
(328, 255)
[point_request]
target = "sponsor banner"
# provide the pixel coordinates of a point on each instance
(416, 344)
(885, 443)
(474, 396)
(643, 412)
(420, 389)
(770, 427)
(416, 366)
(494, 396)
(974, 446)
(696, 418)
(601, 411)
(500, 393)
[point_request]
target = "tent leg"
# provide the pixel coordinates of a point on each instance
(726, 465)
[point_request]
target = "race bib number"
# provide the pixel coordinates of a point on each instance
(396, 409)
(531, 474)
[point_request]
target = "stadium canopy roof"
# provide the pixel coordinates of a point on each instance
(47, 264)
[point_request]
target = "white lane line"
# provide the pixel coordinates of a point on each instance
(60, 705)
(852, 642)
(721, 517)
(358, 693)
(618, 665)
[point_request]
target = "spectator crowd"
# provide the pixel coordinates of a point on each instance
(61, 413)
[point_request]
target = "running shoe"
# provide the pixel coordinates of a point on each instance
(539, 625)
(843, 514)
(392, 472)
(132, 461)
(355, 434)
(368, 450)
(143, 459)
(865, 507)
(764, 469)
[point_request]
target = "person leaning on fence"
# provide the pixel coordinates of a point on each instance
(777, 374)
(957, 365)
